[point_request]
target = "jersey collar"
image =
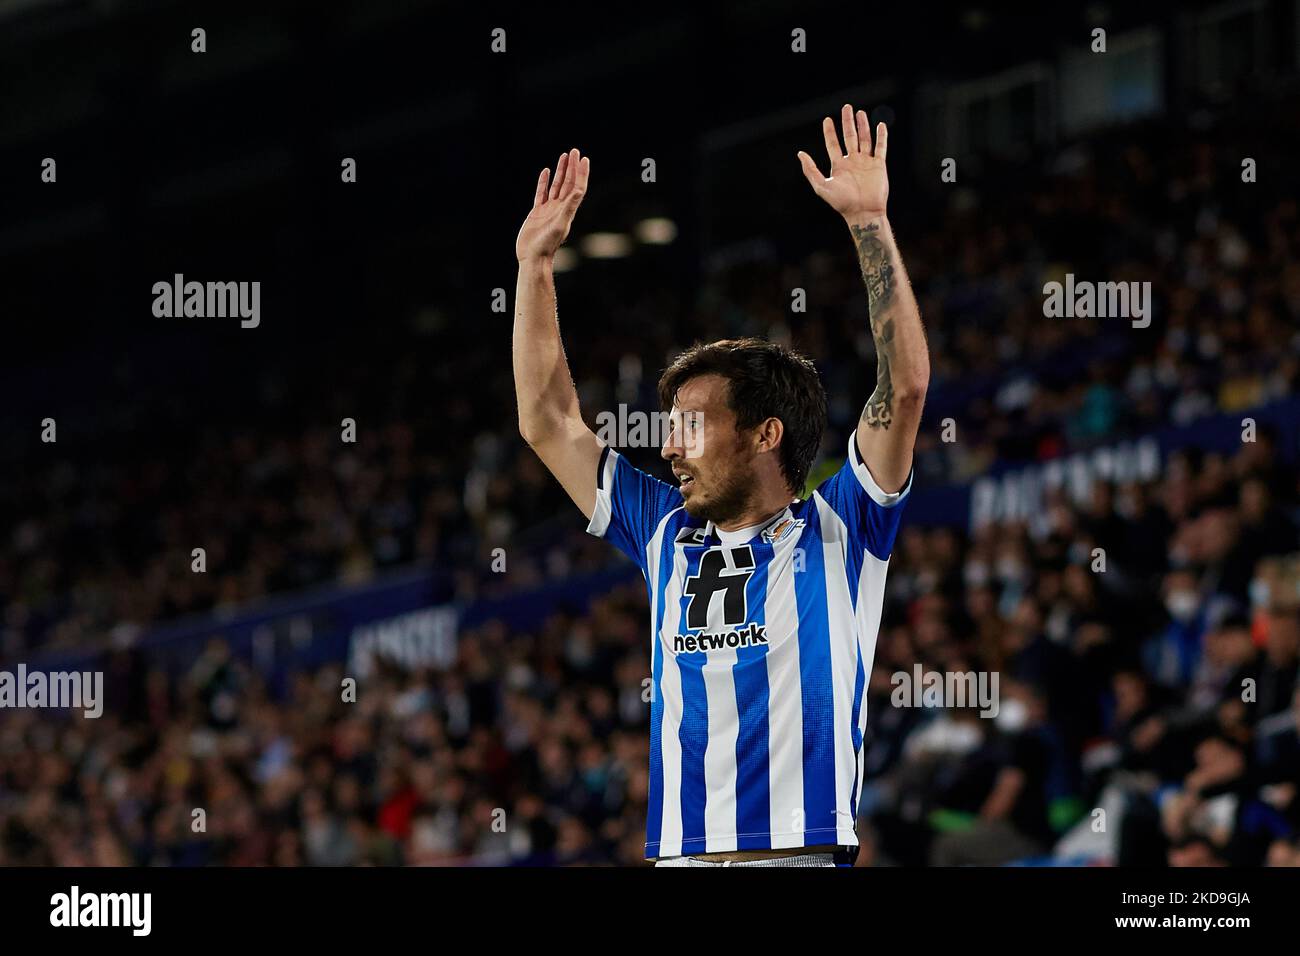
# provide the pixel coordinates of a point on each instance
(770, 531)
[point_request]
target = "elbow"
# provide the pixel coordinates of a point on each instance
(535, 431)
(911, 391)
(530, 433)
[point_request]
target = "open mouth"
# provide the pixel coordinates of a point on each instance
(685, 481)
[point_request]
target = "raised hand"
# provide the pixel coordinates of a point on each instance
(858, 186)
(554, 206)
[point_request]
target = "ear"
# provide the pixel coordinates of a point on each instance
(770, 433)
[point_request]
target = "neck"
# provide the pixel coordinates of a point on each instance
(757, 513)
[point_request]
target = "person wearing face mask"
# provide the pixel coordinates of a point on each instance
(1172, 655)
(1182, 603)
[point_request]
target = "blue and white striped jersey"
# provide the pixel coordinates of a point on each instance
(761, 650)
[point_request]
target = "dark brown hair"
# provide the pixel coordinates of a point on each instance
(764, 380)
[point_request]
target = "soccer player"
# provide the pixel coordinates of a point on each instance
(764, 606)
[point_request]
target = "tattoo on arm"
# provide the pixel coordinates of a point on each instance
(878, 274)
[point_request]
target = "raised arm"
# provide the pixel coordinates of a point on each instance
(549, 418)
(858, 188)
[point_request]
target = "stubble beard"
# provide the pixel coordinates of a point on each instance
(733, 496)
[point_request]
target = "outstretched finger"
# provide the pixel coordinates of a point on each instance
(849, 129)
(882, 140)
(864, 131)
(570, 174)
(811, 172)
(561, 165)
(832, 141)
(543, 180)
(580, 180)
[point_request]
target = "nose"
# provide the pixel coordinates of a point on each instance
(672, 448)
(675, 441)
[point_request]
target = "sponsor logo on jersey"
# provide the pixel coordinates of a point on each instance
(751, 636)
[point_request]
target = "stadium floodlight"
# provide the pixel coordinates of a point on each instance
(565, 260)
(656, 231)
(607, 245)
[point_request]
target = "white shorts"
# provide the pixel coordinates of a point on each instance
(806, 859)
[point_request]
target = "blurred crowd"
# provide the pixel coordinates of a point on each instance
(1160, 692)
(1122, 690)
(438, 474)
(1146, 645)
(532, 749)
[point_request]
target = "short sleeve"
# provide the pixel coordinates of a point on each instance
(629, 505)
(870, 514)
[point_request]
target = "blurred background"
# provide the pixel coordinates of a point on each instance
(490, 696)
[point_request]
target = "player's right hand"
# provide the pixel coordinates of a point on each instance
(554, 206)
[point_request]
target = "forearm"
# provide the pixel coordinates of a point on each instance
(902, 356)
(543, 385)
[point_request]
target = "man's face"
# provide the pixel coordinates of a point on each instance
(713, 464)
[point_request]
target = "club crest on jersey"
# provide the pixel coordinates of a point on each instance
(782, 529)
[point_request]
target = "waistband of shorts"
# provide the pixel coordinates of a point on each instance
(803, 860)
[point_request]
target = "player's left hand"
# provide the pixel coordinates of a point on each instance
(858, 186)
